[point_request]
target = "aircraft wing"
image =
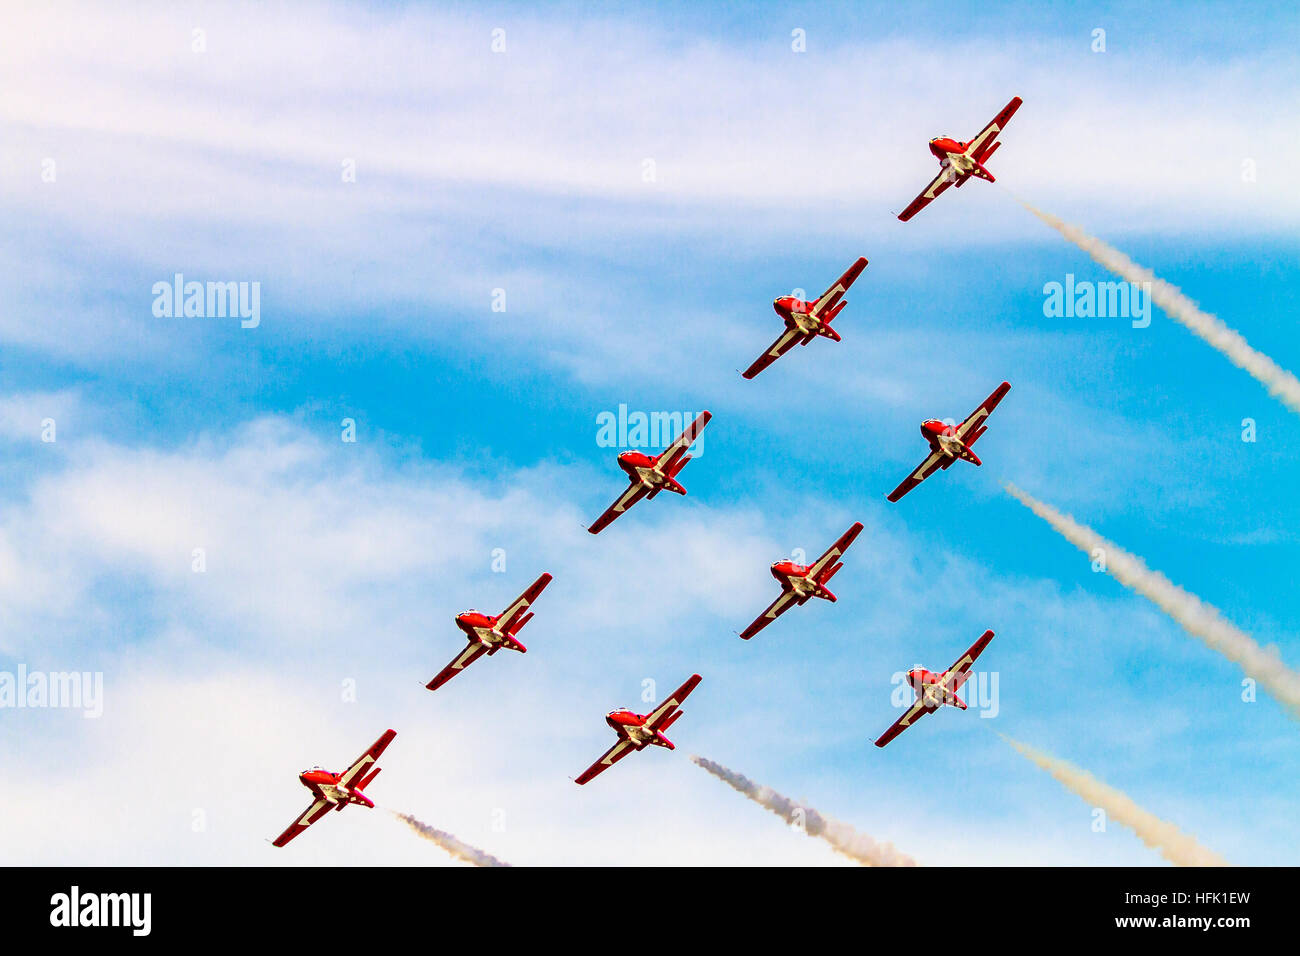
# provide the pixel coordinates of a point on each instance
(361, 764)
(314, 813)
(774, 610)
(630, 496)
(610, 757)
(957, 675)
(930, 193)
(663, 714)
(831, 297)
(984, 144)
(521, 604)
(837, 549)
(788, 340)
(910, 716)
(471, 652)
(933, 463)
(665, 459)
(970, 430)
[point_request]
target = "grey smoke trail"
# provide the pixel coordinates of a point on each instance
(461, 851)
(843, 838)
(1171, 843)
(1280, 383)
(1201, 620)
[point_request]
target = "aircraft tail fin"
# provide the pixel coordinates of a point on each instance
(670, 484)
(659, 740)
(981, 172)
(830, 572)
(970, 456)
(675, 468)
(983, 155)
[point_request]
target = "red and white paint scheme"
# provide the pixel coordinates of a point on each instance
(488, 633)
(935, 690)
(805, 321)
(800, 583)
(651, 474)
(334, 791)
(638, 731)
(949, 443)
(960, 161)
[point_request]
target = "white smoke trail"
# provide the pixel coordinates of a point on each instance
(1169, 841)
(1197, 618)
(843, 838)
(1280, 383)
(461, 851)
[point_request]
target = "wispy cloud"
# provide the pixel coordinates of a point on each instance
(467, 159)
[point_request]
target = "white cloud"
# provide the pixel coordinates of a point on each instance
(574, 108)
(474, 168)
(24, 416)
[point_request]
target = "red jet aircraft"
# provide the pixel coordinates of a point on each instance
(948, 443)
(488, 634)
(651, 474)
(804, 321)
(799, 583)
(959, 161)
(934, 690)
(334, 791)
(638, 731)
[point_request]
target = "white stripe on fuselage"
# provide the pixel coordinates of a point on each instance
(488, 635)
(806, 322)
(950, 445)
(334, 793)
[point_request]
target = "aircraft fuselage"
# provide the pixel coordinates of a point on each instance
(325, 785)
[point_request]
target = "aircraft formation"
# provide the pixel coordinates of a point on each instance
(648, 475)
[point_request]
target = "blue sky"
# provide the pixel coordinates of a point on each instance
(523, 171)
